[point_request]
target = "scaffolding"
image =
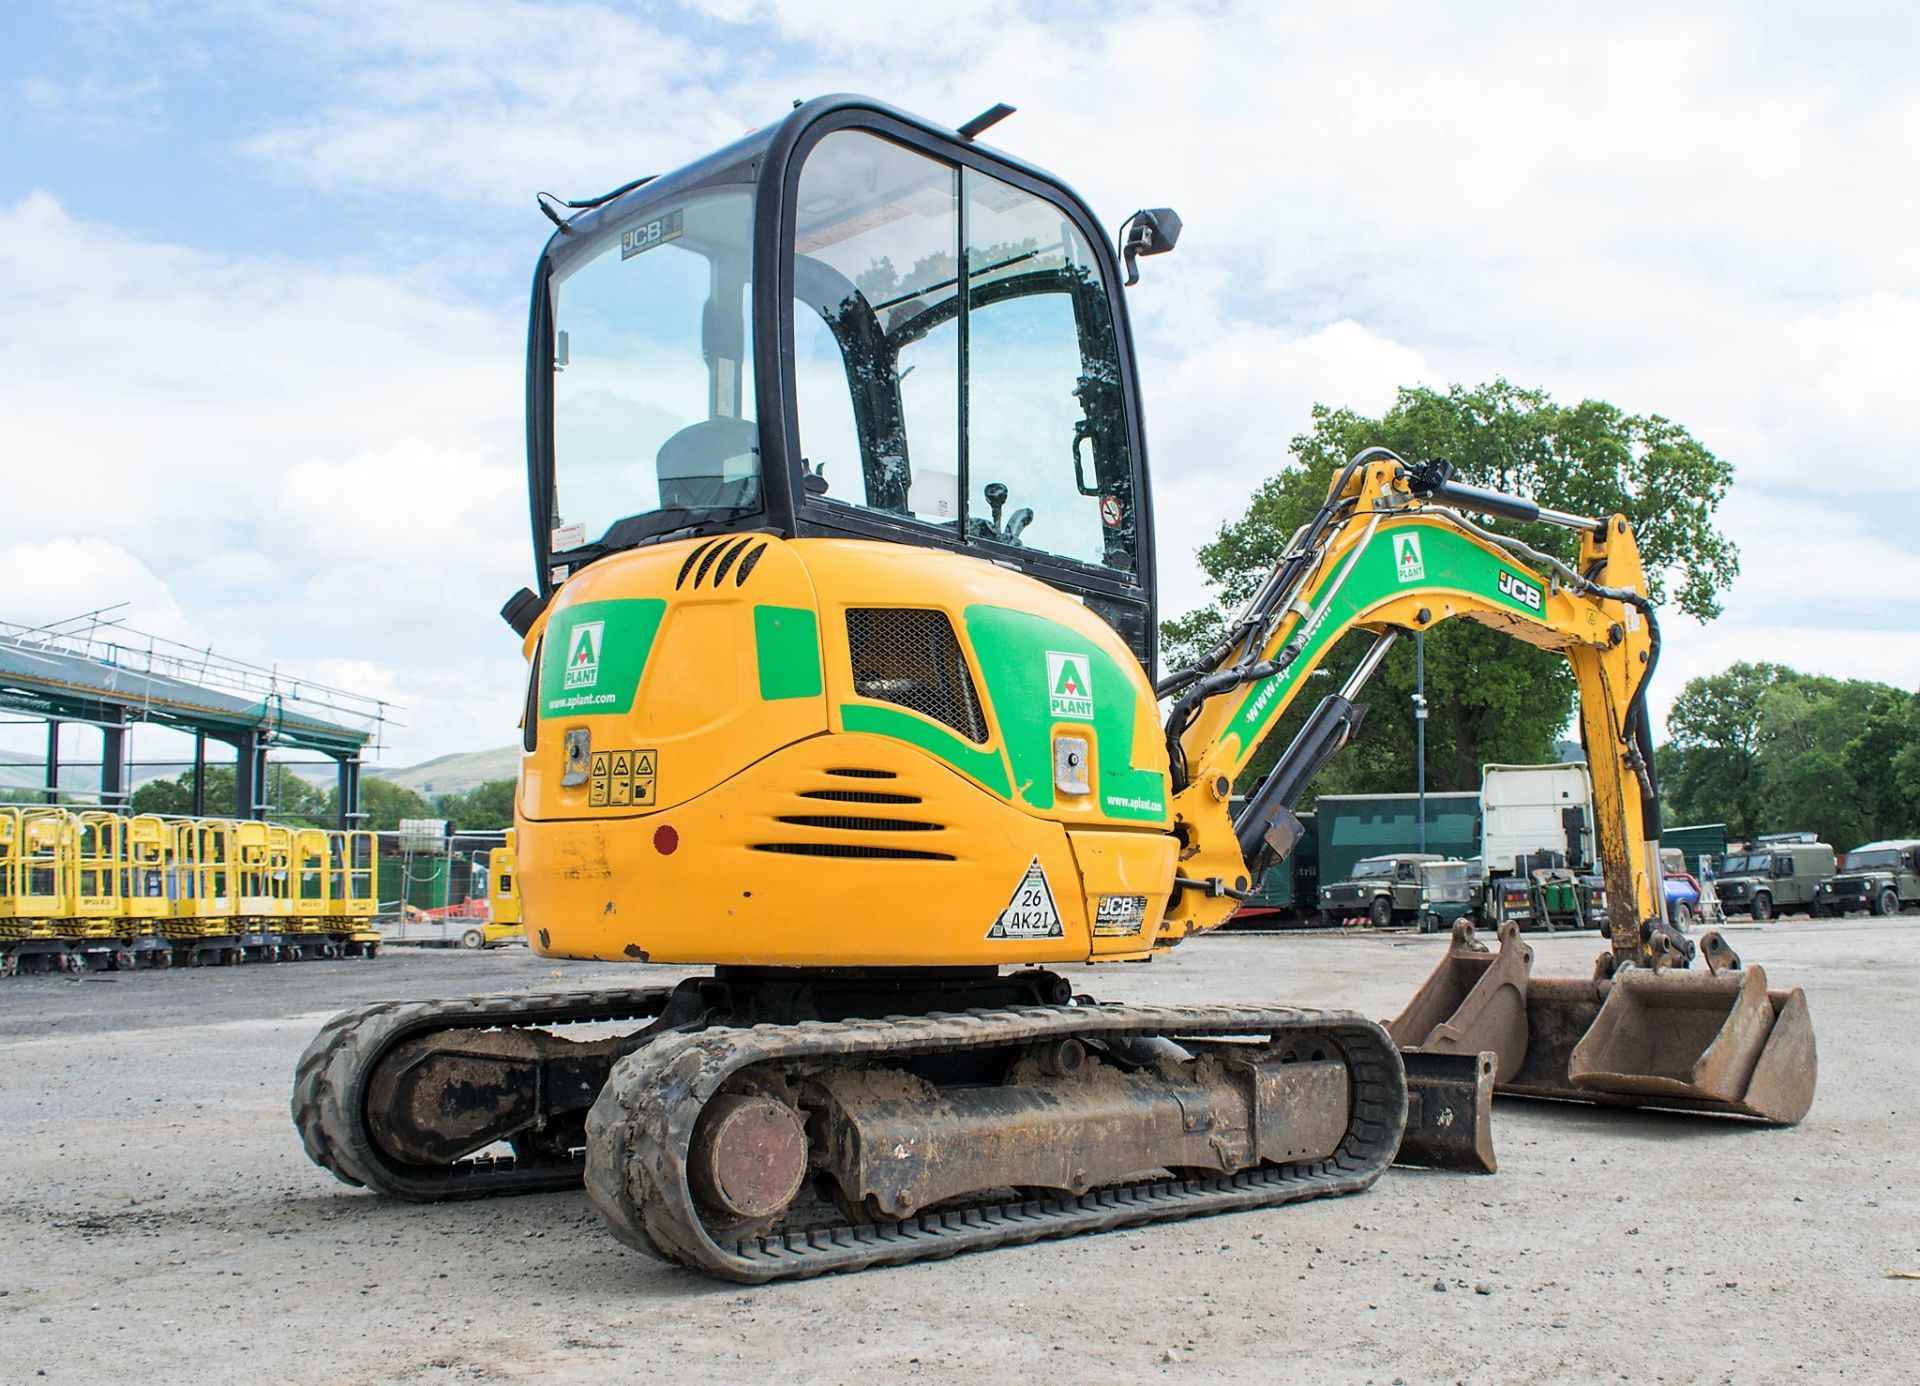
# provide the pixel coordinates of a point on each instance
(94, 670)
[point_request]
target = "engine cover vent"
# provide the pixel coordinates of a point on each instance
(911, 658)
(850, 849)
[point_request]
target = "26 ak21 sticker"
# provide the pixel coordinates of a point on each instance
(1031, 912)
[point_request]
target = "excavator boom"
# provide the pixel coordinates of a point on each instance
(1402, 547)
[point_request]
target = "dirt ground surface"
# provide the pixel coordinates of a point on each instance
(159, 1221)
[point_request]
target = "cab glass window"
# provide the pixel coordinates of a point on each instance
(652, 379)
(1044, 404)
(876, 332)
(955, 356)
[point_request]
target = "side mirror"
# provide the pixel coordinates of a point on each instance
(1151, 231)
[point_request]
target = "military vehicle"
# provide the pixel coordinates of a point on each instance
(1879, 877)
(1780, 874)
(1388, 890)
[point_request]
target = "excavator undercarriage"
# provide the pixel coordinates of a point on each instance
(748, 1125)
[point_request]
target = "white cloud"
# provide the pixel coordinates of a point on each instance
(1701, 213)
(50, 582)
(291, 464)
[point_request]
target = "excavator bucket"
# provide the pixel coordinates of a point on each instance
(1715, 1041)
(1474, 1002)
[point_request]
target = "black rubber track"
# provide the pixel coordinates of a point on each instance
(640, 1127)
(330, 1081)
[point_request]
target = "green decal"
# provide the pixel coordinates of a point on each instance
(1438, 558)
(1040, 672)
(984, 765)
(787, 641)
(593, 654)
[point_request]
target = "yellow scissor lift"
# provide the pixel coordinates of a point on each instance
(33, 886)
(116, 893)
(95, 888)
(503, 923)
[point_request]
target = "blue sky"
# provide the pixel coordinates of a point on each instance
(263, 271)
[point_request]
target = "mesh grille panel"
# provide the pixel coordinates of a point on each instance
(860, 796)
(912, 658)
(850, 849)
(852, 824)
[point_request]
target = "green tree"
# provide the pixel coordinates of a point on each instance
(1491, 698)
(383, 804)
(484, 808)
(1763, 748)
(175, 796)
(1710, 772)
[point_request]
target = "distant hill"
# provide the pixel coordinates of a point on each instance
(454, 774)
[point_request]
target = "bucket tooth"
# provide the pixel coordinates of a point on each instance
(1475, 1001)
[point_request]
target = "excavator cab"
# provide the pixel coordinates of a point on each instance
(849, 325)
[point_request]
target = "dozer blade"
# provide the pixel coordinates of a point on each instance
(1474, 1002)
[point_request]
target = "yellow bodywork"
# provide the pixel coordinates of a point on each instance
(714, 867)
(717, 775)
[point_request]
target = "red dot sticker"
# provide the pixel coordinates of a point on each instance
(665, 840)
(1110, 511)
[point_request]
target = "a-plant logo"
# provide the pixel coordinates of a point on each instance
(1407, 562)
(1069, 688)
(1519, 590)
(583, 654)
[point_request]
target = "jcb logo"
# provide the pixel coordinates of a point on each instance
(1520, 591)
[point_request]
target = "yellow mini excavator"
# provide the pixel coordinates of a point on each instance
(839, 687)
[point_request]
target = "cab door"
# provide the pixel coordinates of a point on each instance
(961, 376)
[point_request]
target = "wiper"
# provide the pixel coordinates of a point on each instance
(547, 201)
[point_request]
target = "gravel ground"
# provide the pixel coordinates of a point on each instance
(159, 1221)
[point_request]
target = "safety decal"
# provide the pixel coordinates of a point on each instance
(1031, 913)
(1408, 565)
(1110, 511)
(622, 779)
(1119, 916)
(1069, 686)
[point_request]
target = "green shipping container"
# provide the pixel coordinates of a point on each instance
(1695, 841)
(1352, 826)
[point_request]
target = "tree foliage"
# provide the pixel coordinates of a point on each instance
(484, 808)
(289, 798)
(1491, 698)
(1765, 748)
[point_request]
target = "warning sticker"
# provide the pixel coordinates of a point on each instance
(1110, 511)
(621, 779)
(1119, 915)
(1031, 913)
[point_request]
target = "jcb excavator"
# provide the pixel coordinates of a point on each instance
(838, 686)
